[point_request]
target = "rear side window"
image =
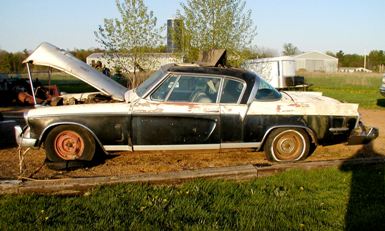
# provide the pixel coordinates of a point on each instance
(232, 91)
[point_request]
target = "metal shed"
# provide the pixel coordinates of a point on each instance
(316, 61)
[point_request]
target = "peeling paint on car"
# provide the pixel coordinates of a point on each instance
(144, 122)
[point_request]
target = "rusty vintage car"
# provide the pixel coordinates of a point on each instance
(186, 107)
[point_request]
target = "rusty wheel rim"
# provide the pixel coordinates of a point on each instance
(288, 145)
(69, 145)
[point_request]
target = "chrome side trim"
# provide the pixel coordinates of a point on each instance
(336, 130)
(83, 114)
(241, 145)
(117, 148)
(212, 130)
(175, 147)
(182, 114)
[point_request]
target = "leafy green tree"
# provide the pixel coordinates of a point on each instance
(352, 60)
(82, 54)
(289, 49)
(12, 62)
(4, 63)
(213, 24)
(375, 59)
(126, 39)
(340, 56)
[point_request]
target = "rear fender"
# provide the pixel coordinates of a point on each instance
(308, 130)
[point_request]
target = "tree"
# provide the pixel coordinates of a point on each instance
(82, 54)
(134, 33)
(352, 60)
(340, 56)
(289, 49)
(12, 62)
(376, 58)
(212, 24)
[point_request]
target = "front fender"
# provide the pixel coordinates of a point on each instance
(47, 129)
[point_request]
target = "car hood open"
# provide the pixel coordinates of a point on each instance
(48, 55)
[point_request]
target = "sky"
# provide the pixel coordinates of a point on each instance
(353, 26)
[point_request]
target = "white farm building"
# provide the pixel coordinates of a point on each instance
(316, 61)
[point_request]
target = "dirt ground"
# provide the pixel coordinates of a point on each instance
(125, 163)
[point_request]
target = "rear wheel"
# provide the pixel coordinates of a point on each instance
(68, 143)
(287, 144)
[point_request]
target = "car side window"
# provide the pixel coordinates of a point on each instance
(185, 88)
(232, 90)
(266, 92)
(161, 93)
(198, 89)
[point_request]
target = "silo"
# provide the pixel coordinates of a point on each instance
(174, 35)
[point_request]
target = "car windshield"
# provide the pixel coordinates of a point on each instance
(146, 85)
(266, 92)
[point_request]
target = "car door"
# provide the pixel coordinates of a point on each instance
(181, 113)
(232, 113)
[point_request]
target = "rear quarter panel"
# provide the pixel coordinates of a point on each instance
(262, 117)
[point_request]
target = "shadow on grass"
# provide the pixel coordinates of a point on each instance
(381, 102)
(366, 206)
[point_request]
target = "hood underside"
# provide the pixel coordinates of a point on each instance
(48, 55)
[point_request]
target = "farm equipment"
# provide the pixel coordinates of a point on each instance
(17, 91)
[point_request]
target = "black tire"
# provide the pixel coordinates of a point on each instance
(69, 143)
(312, 148)
(287, 145)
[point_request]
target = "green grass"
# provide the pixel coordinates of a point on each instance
(326, 199)
(361, 88)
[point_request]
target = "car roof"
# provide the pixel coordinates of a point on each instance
(233, 72)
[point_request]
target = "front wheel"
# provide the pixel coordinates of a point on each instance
(287, 144)
(68, 143)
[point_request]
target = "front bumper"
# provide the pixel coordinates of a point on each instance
(382, 91)
(23, 137)
(363, 135)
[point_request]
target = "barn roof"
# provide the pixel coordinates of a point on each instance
(314, 55)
